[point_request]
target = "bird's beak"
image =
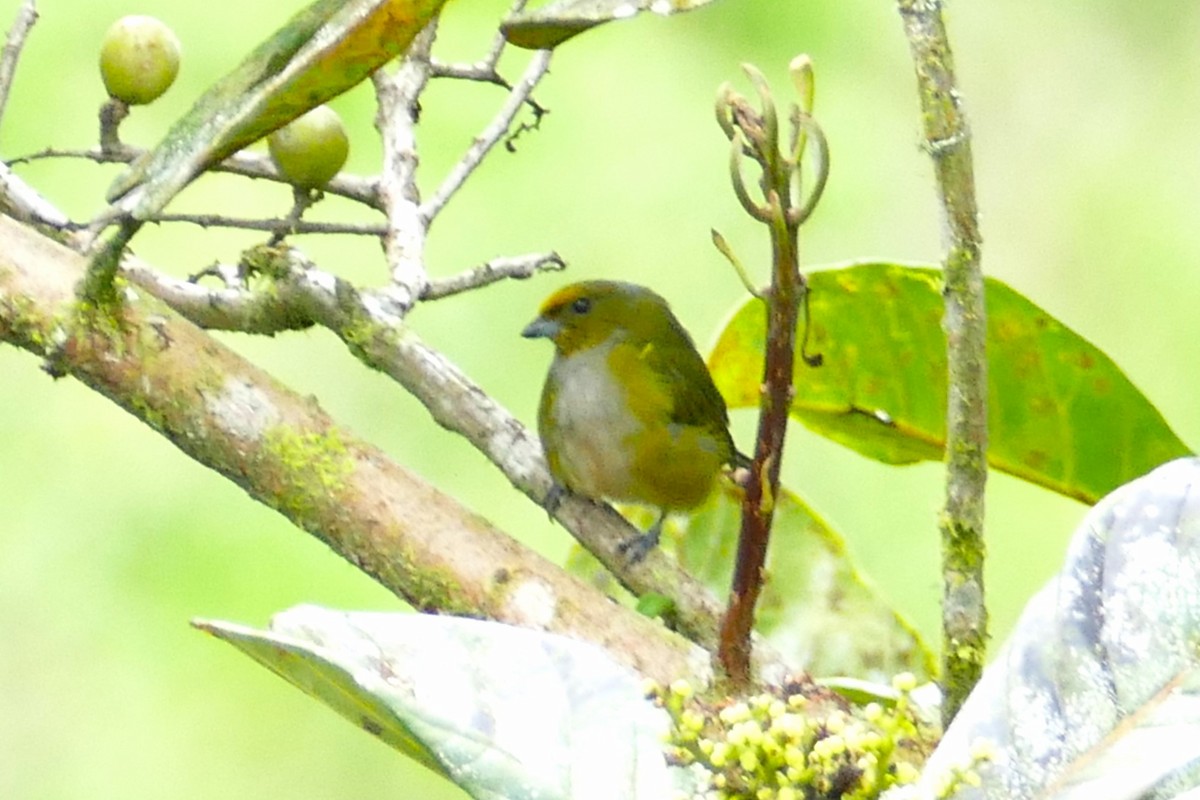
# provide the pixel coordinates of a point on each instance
(541, 328)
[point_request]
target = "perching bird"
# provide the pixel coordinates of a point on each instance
(629, 412)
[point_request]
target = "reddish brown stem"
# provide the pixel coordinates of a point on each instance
(755, 136)
(758, 508)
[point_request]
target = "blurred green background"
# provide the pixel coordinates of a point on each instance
(1085, 116)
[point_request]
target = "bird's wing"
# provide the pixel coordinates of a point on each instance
(695, 399)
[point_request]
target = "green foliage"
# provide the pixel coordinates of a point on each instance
(816, 607)
(1061, 413)
(1109, 247)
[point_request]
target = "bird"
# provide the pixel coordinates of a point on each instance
(629, 411)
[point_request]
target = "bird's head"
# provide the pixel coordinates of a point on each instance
(586, 314)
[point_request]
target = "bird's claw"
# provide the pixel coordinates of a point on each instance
(554, 498)
(635, 548)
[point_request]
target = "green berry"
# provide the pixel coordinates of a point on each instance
(139, 59)
(310, 149)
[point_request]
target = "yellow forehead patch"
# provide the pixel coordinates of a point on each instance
(563, 297)
(595, 289)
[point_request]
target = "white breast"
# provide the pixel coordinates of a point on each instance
(591, 412)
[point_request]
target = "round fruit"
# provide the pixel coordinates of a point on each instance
(310, 149)
(139, 59)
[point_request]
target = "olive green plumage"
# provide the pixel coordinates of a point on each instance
(629, 411)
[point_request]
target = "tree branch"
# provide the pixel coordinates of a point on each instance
(398, 96)
(285, 452)
(498, 269)
(370, 323)
(13, 44)
(276, 226)
(247, 164)
(948, 142)
(496, 130)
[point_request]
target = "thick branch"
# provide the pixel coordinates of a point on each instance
(948, 141)
(285, 452)
(372, 328)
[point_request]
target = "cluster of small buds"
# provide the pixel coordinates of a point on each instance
(791, 745)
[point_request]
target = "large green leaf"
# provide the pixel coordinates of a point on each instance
(506, 713)
(1061, 413)
(1097, 692)
(554, 23)
(815, 609)
(327, 48)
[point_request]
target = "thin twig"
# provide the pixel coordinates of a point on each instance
(948, 141)
(498, 269)
(302, 201)
(490, 137)
(485, 69)
(112, 113)
(13, 44)
(479, 72)
(273, 225)
(249, 165)
(94, 154)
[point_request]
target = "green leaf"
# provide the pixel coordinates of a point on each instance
(327, 48)
(506, 713)
(815, 607)
(1097, 692)
(1061, 413)
(558, 21)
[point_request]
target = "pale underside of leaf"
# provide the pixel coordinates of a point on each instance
(506, 713)
(1097, 693)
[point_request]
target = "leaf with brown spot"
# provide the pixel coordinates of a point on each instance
(1061, 413)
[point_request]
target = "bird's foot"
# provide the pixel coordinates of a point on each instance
(554, 498)
(635, 549)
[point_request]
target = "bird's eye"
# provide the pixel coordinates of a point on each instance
(582, 306)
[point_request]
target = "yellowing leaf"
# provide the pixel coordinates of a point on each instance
(1061, 413)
